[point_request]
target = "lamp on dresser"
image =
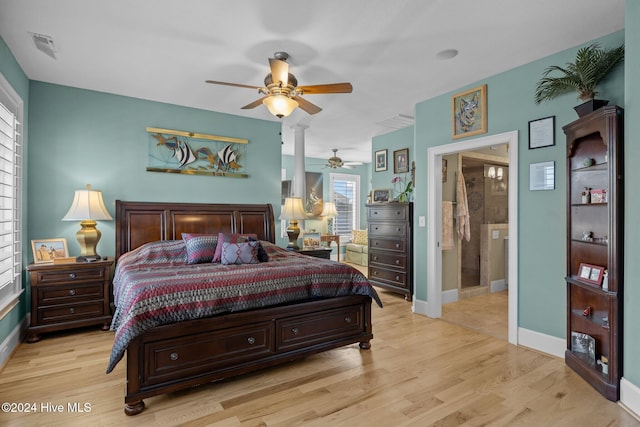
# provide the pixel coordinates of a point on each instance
(88, 207)
(293, 211)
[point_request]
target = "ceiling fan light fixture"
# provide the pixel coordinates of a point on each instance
(280, 105)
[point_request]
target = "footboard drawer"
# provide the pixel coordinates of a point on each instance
(192, 355)
(306, 330)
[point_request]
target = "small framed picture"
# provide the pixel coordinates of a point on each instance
(381, 160)
(469, 112)
(47, 250)
(381, 195)
(311, 240)
(542, 132)
(401, 161)
(591, 273)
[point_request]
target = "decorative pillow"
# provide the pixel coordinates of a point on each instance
(262, 254)
(360, 237)
(200, 247)
(239, 253)
(230, 238)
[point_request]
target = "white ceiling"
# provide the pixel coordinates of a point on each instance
(164, 50)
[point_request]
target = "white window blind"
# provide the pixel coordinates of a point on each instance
(10, 207)
(345, 193)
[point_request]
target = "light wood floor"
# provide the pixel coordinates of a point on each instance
(419, 372)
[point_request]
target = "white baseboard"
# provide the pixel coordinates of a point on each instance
(449, 296)
(12, 341)
(419, 307)
(498, 285)
(542, 342)
(630, 397)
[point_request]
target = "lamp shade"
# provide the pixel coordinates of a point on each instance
(329, 210)
(87, 204)
(280, 105)
(293, 209)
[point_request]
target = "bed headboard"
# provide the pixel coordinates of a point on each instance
(142, 222)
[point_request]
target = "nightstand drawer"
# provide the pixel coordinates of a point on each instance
(70, 312)
(77, 275)
(50, 295)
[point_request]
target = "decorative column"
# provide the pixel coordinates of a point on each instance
(298, 165)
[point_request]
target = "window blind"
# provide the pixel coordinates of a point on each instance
(345, 191)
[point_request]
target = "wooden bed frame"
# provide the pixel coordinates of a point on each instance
(177, 356)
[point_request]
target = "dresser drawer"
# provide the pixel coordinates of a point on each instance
(69, 312)
(50, 295)
(388, 244)
(65, 276)
(179, 358)
(388, 229)
(386, 213)
(396, 278)
(388, 259)
(302, 331)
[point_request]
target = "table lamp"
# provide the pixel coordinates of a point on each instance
(329, 210)
(293, 211)
(87, 207)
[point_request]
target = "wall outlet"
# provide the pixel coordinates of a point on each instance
(421, 221)
(495, 234)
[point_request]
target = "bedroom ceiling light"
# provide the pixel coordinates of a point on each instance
(280, 105)
(88, 207)
(293, 211)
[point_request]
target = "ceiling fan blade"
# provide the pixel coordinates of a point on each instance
(232, 84)
(254, 104)
(353, 163)
(306, 105)
(328, 88)
(279, 71)
(348, 166)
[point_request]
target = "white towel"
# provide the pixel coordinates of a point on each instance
(464, 231)
(447, 225)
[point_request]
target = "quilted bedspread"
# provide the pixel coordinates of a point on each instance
(154, 285)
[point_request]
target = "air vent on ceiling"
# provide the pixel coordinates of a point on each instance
(44, 44)
(397, 122)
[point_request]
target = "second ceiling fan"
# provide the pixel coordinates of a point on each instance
(281, 92)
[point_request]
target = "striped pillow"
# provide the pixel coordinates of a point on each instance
(360, 237)
(200, 247)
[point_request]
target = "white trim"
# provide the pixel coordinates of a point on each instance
(12, 341)
(498, 285)
(548, 344)
(630, 397)
(434, 202)
(449, 296)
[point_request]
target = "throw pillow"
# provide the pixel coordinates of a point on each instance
(262, 254)
(239, 253)
(230, 238)
(360, 237)
(200, 247)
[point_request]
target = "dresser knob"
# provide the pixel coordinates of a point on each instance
(295, 331)
(397, 277)
(397, 245)
(375, 273)
(375, 258)
(397, 262)
(72, 292)
(173, 356)
(72, 275)
(72, 310)
(347, 319)
(399, 229)
(398, 213)
(251, 340)
(376, 243)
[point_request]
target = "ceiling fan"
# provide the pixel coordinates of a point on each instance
(281, 92)
(336, 162)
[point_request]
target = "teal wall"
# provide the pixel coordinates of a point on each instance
(542, 248)
(80, 137)
(317, 165)
(396, 140)
(631, 368)
(12, 72)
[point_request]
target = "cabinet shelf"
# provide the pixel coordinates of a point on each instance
(593, 168)
(586, 242)
(589, 204)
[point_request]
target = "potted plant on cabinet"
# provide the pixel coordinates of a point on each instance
(592, 65)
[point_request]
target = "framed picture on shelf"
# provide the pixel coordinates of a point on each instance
(311, 240)
(401, 161)
(591, 273)
(469, 112)
(47, 250)
(381, 195)
(584, 346)
(381, 160)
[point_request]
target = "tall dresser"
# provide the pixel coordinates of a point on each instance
(391, 247)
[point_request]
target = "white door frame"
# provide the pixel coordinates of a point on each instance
(434, 200)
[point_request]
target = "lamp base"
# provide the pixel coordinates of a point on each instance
(293, 231)
(88, 237)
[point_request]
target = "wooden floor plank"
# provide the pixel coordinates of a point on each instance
(419, 372)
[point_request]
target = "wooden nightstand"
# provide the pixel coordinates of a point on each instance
(318, 253)
(69, 295)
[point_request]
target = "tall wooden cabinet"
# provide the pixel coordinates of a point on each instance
(391, 246)
(595, 236)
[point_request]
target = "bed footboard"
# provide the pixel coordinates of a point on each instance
(173, 357)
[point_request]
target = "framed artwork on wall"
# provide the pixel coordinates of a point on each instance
(401, 161)
(314, 193)
(542, 132)
(469, 112)
(381, 160)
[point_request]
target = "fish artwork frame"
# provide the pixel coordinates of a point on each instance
(175, 151)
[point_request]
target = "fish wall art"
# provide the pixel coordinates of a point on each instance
(196, 154)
